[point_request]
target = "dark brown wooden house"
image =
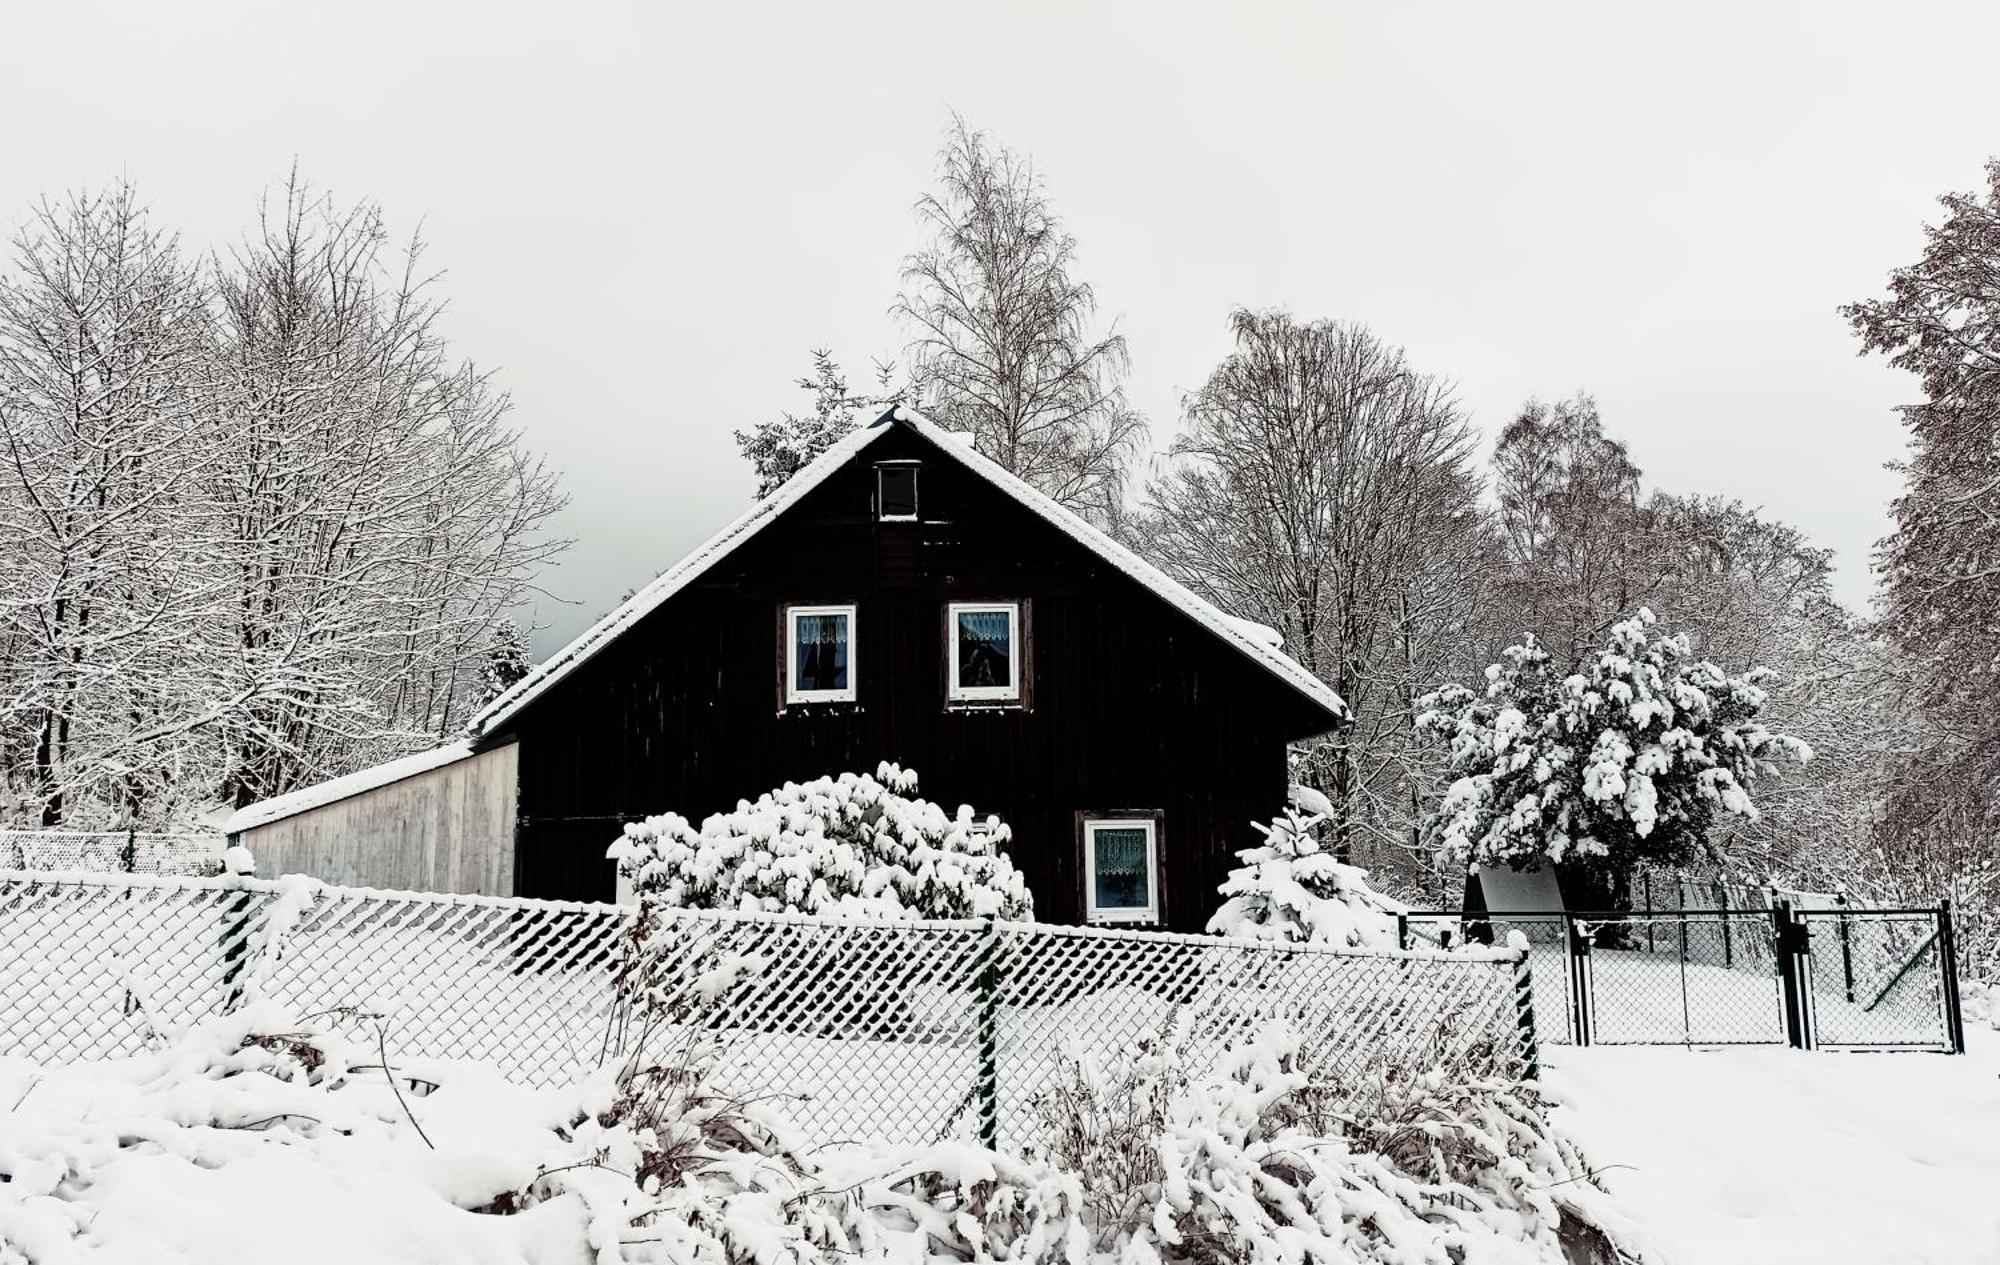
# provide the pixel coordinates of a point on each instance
(902, 598)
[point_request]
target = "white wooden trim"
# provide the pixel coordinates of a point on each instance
(1010, 692)
(792, 616)
(1151, 911)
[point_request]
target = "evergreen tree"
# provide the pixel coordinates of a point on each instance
(1292, 890)
(779, 449)
(1941, 587)
(1630, 760)
(506, 662)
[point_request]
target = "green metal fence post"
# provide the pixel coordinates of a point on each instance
(986, 1084)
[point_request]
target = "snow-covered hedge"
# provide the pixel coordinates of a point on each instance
(852, 845)
(1291, 890)
(256, 1138)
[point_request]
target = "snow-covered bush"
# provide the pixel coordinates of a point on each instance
(255, 1137)
(853, 845)
(1629, 760)
(1259, 1161)
(1291, 890)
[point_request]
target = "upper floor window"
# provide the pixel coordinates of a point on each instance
(984, 650)
(896, 491)
(1121, 869)
(819, 654)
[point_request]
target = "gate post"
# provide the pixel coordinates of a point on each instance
(1524, 1017)
(1577, 945)
(1846, 948)
(1793, 943)
(1954, 1017)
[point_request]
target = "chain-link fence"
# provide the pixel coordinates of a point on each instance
(903, 1031)
(111, 852)
(1878, 977)
(1831, 977)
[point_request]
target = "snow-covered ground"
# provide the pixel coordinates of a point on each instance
(1774, 1156)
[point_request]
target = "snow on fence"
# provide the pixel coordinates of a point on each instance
(111, 851)
(903, 1031)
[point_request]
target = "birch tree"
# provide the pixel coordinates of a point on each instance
(1003, 339)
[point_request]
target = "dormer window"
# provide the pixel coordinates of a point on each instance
(896, 491)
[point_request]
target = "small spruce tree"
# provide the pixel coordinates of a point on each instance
(1290, 889)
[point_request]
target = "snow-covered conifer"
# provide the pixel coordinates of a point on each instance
(1291, 889)
(1632, 759)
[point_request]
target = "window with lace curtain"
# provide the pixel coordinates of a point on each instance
(819, 654)
(1121, 869)
(983, 651)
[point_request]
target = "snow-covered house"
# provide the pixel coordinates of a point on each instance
(901, 598)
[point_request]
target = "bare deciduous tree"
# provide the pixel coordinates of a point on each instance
(1002, 341)
(257, 524)
(1322, 486)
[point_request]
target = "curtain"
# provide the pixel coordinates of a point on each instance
(820, 641)
(1120, 857)
(985, 652)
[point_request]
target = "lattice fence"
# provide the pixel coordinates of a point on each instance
(902, 1031)
(111, 852)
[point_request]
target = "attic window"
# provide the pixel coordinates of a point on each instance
(896, 491)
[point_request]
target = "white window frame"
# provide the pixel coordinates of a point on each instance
(1008, 693)
(916, 469)
(1092, 912)
(793, 694)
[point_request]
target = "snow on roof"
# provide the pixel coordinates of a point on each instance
(1259, 645)
(319, 795)
(1258, 632)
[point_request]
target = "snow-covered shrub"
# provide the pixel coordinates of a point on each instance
(853, 845)
(1290, 889)
(253, 1136)
(1258, 1161)
(1629, 760)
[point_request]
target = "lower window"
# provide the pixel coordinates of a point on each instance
(1121, 869)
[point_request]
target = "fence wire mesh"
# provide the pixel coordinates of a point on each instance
(1695, 978)
(1876, 978)
(901, 1031)
(1835, 977)
(111, 852)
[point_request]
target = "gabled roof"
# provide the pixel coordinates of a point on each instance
(1256, 646)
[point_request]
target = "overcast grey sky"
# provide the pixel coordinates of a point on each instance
(649, 213)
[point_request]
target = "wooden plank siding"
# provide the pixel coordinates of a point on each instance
(450, 829)
(1131, 704)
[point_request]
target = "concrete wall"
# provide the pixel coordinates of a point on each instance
(448, 830)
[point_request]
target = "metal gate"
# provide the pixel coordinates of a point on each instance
(1879, 979)
(1837, 979)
